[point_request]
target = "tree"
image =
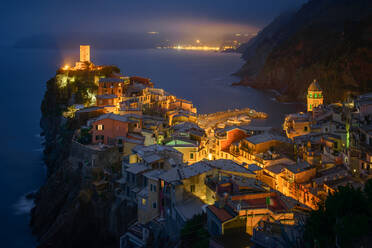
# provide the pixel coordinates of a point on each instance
(193, 234)
(343, 219)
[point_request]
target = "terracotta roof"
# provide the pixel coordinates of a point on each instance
(220, 213)
(140, 79)
(314, 86)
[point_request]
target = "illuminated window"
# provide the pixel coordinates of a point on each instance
(99, 127)
(315, 95)
(143, 201)
(191, 155)
(311, 106)
(310, 95)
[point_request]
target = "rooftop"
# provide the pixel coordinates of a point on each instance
(184, 172)
(298, 167)
(151, 158)
(228, 165)
(314, 86)
(276, 169)
(189, 207)
(111, 80)
(137, 168)
(220, 213)
(122, 118)
(153, 174)
(262, 138)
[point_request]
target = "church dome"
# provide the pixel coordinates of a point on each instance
(314, 86)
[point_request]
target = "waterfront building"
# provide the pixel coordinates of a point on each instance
(314, 96)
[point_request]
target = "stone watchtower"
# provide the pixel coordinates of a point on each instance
(314, 96)
(84, 53)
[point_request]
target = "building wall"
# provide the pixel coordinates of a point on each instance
(85, 53)
(196, 186)
(111, 129)
(313, 102)
(262, 147)
(149, 210)
(231, 137)
(187, 151)
(106, 102)
(110, 89)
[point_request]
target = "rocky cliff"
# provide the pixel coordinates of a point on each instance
(69, 211)
(329, 40)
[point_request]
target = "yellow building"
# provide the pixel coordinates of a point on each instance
(314, 96)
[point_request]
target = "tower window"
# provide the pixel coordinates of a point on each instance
(310, 95)
(315, 95)
(311, 106)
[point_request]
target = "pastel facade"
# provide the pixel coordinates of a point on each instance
(114, 129)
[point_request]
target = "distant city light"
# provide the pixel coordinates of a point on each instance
(198, 41)
(196, 48)
(66, 67)
(153, 32)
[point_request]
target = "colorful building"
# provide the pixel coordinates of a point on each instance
(314, 96)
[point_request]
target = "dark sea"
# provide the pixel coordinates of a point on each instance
(202, 77)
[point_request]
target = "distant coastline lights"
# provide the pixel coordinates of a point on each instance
(197, 48)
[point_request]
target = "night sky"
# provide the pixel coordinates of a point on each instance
(22, 18)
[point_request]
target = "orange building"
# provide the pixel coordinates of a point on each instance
(107, 100)
(110, 91)
(228, 136)
(314, 96)
(110, 128)
(292, 180)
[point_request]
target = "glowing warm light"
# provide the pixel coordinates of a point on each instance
(210, 156)
(197, 48)
(66, 67)
(198, 41)
(153, 32)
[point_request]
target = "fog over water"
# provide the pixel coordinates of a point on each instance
(202, 77)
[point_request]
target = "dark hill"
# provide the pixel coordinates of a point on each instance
(330, 40)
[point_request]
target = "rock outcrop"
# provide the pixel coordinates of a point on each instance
(69, 211)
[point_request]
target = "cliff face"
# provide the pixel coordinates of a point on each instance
(329, 40)
(69, 212)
